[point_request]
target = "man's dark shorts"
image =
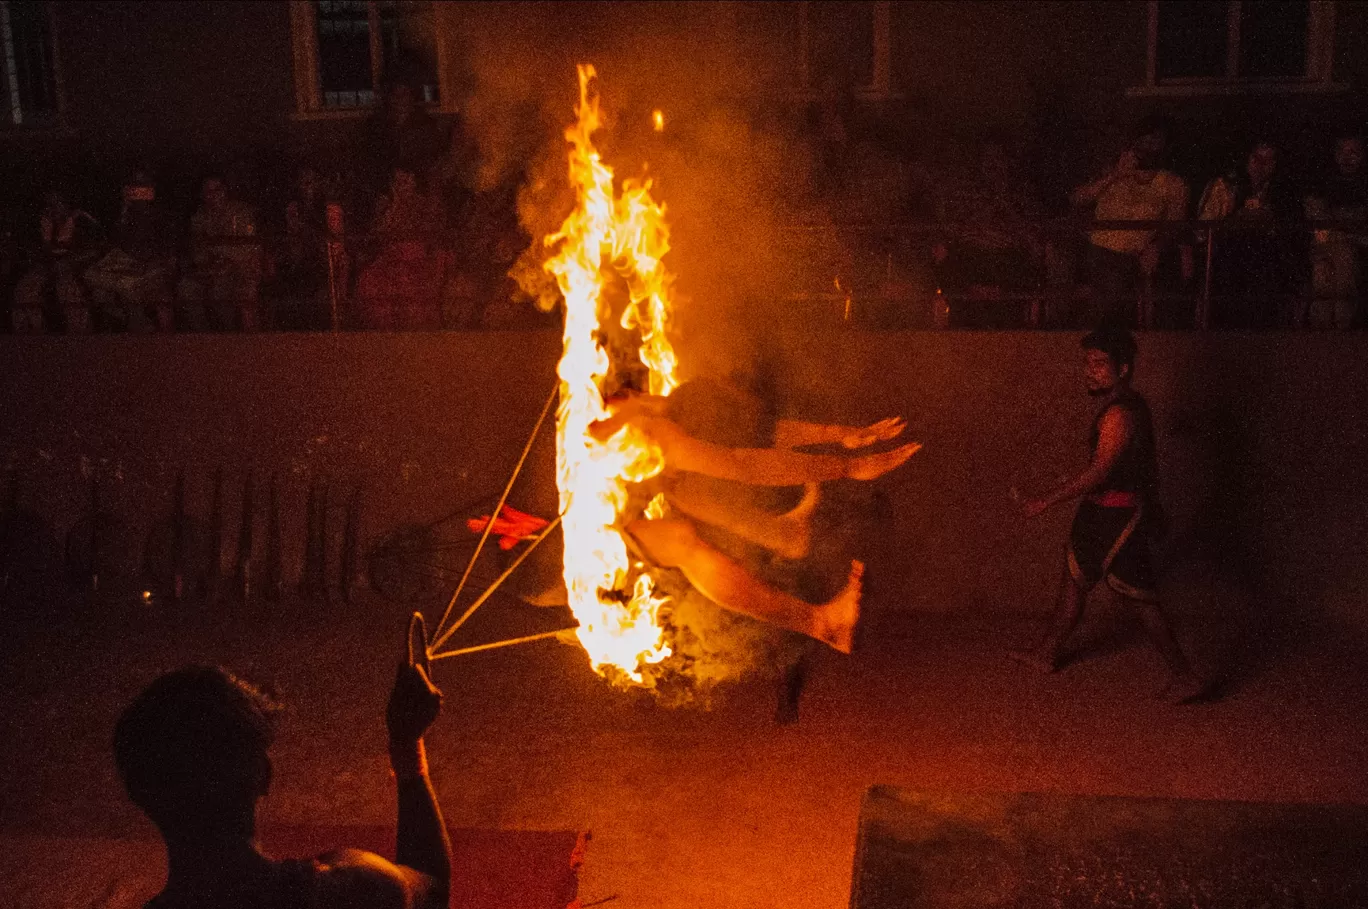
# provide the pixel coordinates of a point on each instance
(1112, 544)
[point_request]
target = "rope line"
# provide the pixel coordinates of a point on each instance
(522, 556)
(508, 643)
(536, 430)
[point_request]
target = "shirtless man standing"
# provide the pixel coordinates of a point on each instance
(1116, 521)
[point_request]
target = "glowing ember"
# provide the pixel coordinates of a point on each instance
(609, 236)
(658, 118)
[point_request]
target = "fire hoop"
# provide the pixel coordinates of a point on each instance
(612, 235)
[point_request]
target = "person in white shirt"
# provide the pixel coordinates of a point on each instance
(1121, 264)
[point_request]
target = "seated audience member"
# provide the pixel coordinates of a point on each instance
(221, 288)
(1122, 265)
(399, 135)
(401, 286)
(131, 285)
(453, 176)
(1337, 256)
(1255, 269)
(192, 751)
(51, 293)
(993, 248)
(480, 293)
(300, 275)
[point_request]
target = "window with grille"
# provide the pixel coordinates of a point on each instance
(845, 44)
(1240, 43)
(30, 70)
(345, 51)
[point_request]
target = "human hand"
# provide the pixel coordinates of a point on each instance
(1034, 508)
(621, 412)
(873, 466)
(414, 701)
(882, 431)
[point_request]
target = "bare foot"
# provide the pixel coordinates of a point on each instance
(812, 494)
(797, 523)
(1034, 659)
(839, 616)
(1185, 690)
(873, 466)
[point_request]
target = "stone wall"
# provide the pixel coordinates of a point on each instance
(1263, 446)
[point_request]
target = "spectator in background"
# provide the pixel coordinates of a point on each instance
(51, 293)
(993, 248)
(1337, 258)
(453, 176)
(400, 135)
(221, 289)
(131, 285)
(1122, 265)
(829, 117)
(1254, 272)
(400, 288)
(299, 281)
(480, 293)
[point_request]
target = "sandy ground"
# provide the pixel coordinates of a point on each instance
(688, 807)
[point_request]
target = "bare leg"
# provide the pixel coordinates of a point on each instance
(788, 535)
(1049, 656)
(1184, 684)
(674, 543)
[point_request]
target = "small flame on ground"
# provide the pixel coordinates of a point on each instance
(658, 118)
(610, 234)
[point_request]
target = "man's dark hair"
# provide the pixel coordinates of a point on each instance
(192, 747)
(1116, 342)
(1152, 123)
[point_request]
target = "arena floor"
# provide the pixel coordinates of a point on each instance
(687, 807)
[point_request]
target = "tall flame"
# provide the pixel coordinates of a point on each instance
(608, 234)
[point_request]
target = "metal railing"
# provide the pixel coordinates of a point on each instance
(848, 270)
(855, 266)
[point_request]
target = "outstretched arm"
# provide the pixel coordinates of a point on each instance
(422, 842)
(634, 410)
(767, 466)
(800, 433)
(421, 876)
(1113, 436)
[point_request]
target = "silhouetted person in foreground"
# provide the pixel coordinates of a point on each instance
(1117, 519)
(192, 753)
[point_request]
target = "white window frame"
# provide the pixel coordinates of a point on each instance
(1318, 78)
(880, 87)
(57, 123)
(308, 87)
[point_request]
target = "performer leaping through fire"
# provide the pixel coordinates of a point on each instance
(691, 463)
